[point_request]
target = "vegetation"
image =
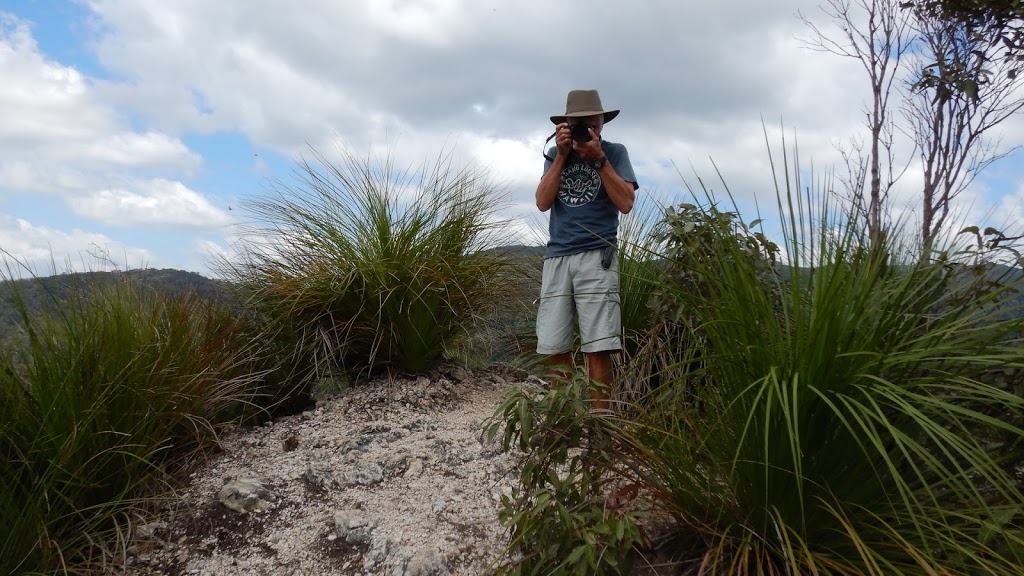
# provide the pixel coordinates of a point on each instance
(103, 394)
(113, 384)
(557, 518)
(952, 124)
(940, 61)
(40, 293)
(640, 265)
(362, 266)
(835, 414)
(997, 26)
(835, 404)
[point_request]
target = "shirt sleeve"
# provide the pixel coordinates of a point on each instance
(548, 163)
(623, 167)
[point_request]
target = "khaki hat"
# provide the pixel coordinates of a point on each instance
(584, 103)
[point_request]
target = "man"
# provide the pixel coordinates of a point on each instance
(587, 182)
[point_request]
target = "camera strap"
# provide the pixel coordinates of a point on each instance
(545, 147)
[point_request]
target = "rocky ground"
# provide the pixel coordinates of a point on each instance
(391, 477)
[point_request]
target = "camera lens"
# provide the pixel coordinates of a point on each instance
(580, 132)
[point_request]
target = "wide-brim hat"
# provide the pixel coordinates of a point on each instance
(584, 103)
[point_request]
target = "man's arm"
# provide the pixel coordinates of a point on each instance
(547, 190)
(620, 192)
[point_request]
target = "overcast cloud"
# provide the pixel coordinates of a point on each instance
(693, 80)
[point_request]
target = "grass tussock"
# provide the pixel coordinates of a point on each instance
(365, 266)
(841, 422)
(102, 396)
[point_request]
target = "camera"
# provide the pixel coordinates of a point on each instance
(580, 132)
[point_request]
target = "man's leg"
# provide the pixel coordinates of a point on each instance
(556, 316)
(561, 368)
(597, 301)
(599, 368)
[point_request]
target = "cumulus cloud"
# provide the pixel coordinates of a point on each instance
(696, 82)
(693, 80)
(62, 141)
(516, 162)
(43, 100)
(26, 175)
(162, 204)
(135, 149)
(29, 249)
(54, 116)
(287, 77)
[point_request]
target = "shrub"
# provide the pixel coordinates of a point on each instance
(558, 517)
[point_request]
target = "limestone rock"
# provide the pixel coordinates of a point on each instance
(246, 495)
(353, 527)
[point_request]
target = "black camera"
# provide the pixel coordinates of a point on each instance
(580, 132)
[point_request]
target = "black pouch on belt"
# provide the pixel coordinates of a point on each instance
(607, 253)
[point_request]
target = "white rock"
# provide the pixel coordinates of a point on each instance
(415, 468)
(246, 495)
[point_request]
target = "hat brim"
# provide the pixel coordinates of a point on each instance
(609, 115)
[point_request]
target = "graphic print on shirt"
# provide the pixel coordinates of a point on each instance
(579, 185)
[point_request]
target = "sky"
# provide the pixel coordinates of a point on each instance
(134, 132)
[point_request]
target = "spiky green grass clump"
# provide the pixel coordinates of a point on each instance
(367, 266)
(838, 416)
(102, 395)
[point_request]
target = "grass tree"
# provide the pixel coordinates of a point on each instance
(844, 424)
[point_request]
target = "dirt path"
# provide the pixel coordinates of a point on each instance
(390, 478)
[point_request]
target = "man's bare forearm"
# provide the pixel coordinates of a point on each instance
(547, 190)
(620, 192)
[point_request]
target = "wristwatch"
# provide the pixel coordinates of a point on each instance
(597, 164)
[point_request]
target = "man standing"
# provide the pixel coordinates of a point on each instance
(587, 182)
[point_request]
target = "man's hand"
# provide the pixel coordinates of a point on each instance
(589, 150)
(563, 139)
(548, 187)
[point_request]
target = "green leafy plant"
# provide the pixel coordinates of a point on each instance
(365, 266)
(829, 408)
(559, 518)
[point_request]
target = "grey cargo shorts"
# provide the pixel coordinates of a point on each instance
(578, 287)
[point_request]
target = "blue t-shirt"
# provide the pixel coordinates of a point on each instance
(583, 218)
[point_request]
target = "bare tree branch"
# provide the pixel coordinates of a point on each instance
(951, 126)
(874, 32)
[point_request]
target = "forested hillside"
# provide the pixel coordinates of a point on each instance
(38, 293)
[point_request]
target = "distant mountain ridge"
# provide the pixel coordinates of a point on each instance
(519, 251)
(36, 292)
